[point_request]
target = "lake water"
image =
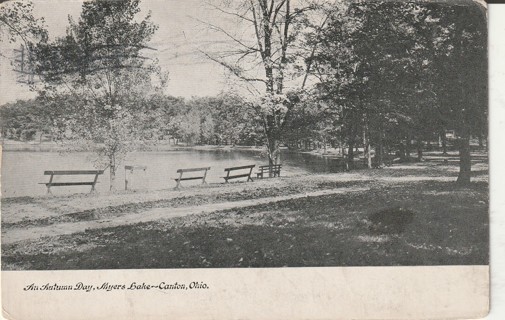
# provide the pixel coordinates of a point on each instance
(23, 171)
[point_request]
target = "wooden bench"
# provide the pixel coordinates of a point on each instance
(240, 175)
(182, 171)
(73, 183)
(275, 169)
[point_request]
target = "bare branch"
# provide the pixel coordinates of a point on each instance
(229, 13)
(217, 28)
(277, 9)
(232, 69)
(256, 28)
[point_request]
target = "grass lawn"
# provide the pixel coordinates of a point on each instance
(411, 222)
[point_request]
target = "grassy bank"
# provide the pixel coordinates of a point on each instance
(410, 215)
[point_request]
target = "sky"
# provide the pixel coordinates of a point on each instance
(180, 36)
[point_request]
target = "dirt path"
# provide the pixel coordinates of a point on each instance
(21, 234)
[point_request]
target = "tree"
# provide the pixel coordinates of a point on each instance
(100, 63)
(423, 69)
(462, 78)
(269, 31)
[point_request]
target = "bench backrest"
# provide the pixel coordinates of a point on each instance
(193, 169)
(274, 166)
(72, 172)
(241, 167)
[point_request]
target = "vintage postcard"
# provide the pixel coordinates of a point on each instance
(244, 159)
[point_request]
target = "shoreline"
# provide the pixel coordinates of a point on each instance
(290, 216)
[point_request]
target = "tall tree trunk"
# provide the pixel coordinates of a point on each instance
(274, 154)
(366, 147)
(112, 173)
(444, 142)
(379, 152)
(402, 153)
(465, 167)
(408, 147)
(350, 153)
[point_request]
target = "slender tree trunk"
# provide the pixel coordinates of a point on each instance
(444, 143)
(465, 168)
(350, 153)
(112, 173)
(402, 152)
(379, 153)
(366, 147)
(274, 154)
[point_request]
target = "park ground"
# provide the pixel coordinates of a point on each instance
(406, 214)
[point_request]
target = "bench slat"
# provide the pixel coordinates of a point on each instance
(242, 167)
(56, 184)
(238, 176)
(73, 172)
(276, 166)
(192, 169)
(189, 178)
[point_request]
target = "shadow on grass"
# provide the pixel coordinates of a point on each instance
(246, 246)
(437, 227)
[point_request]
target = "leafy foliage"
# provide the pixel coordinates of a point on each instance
(100, 64)
(18, 23)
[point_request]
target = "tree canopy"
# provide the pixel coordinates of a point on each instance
(100, 62)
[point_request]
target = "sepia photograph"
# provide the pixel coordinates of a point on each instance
(149, 134)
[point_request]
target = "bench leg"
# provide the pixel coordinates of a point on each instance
(49, 184)
(204, 176)
(178, 182)
(94, 183)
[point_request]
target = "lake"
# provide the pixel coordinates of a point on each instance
(22, 171)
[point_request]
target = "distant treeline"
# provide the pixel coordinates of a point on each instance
(222, 120)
